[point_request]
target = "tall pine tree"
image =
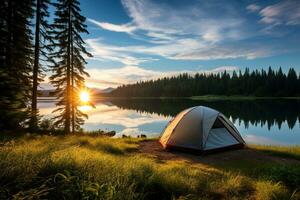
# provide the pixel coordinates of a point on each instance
(16, 62)
(68, 77)
(42, 39)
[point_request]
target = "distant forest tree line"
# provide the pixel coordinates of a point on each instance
(30, 45)
(270, 83)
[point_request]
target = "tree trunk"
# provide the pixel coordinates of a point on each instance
(72, 85)
(33, 123)
(68, 101)
(10, 35)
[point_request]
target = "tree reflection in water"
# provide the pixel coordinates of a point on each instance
(256, 112)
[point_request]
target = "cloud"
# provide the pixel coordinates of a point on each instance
(285, 13)
(103, 78)
(126, 28)
(212, 36)
(96, 82)
(253, 8)
(181, 49)
(214, 52)
(205, 30)
(224, 68)
(210, 21)
(197, 31)
(160, 38)
(160, 23)
(102, 52)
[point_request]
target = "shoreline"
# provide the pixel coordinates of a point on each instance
(205, 97)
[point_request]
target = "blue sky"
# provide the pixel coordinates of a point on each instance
(135, 40)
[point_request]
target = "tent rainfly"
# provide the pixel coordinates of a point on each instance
(201, 129)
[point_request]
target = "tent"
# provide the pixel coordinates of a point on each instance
(201, 129)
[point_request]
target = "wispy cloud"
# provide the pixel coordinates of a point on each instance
(214, 52)
(126, 28)
(199, 31)
(253, 7)
(285, 12)
(102, 52)
(224, 68)
(163, 21)
(181, 49)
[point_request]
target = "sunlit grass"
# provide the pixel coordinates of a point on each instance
(69, 167)
(283, 151)
(267, 190)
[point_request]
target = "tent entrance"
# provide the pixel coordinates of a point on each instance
(219, 137)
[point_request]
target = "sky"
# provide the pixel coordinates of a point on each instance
(134, 40)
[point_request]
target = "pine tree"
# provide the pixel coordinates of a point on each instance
(69, 70)
(255, 82)
(16, 62)
(41, 50)
(292, 85)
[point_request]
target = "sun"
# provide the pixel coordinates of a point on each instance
(84, 96)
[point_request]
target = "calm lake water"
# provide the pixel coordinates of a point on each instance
(259, 122)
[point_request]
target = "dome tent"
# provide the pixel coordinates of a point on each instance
(201, 129)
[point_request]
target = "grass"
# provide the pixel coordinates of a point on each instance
(86, 167)
(280, 151)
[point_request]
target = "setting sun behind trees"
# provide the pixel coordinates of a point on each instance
(84, 96)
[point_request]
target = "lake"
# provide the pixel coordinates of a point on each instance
(269, 122)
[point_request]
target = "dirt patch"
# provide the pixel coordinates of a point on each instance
(154, 149)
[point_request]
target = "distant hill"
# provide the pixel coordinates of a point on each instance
(102, 91)
(49, 93)
(45, 93)
(107, 90)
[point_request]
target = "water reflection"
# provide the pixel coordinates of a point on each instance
(256, 113)
(107, 116)
(260, 122)
(85, 108)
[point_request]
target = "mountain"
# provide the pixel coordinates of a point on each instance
(101, 91)
(108, 90)
(45, 93)
(49, 93)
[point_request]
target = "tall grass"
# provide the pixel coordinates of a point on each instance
(282, 151)
(84, 167)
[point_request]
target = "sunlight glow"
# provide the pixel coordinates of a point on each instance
(84, 96)
(85, 108)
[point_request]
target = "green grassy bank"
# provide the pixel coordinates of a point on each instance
(85, 167)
